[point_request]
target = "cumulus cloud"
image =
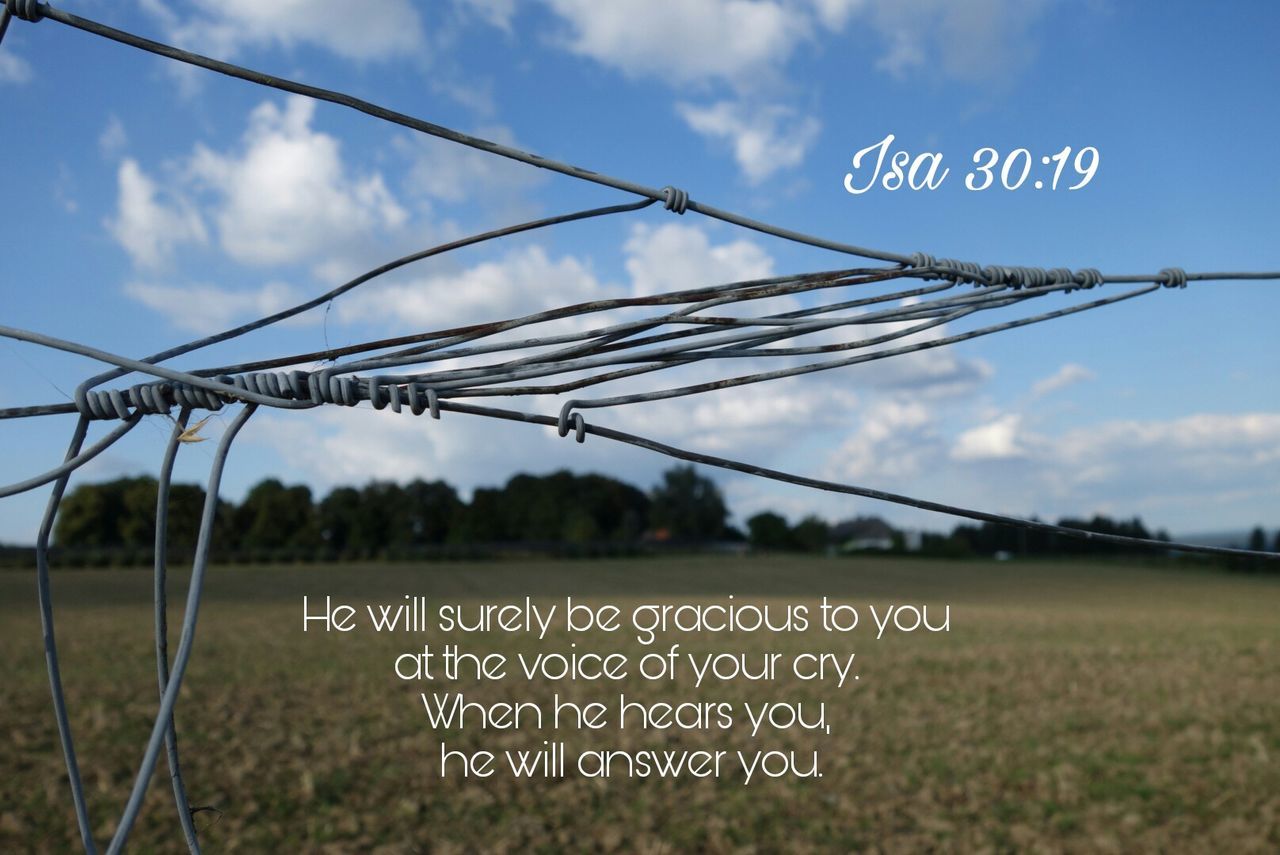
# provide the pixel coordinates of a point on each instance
(521, 282)
(669, 257)
(1208, 451)
(283, 196)
(1189, 473)
(747, 44)
(225, 27)
(204, 308)
(287, 196)
(974, 41)
(683, 41)
(13, 68)
(996, 440)
(1068, 375)
(934, 373)
(763, 139)
(893, 441)
(672, 257)
(335, 446)
(751, 421)
(149, 223)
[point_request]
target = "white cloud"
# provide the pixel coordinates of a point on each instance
(208, 308)
(1205, 449)
(754, 422)
(1069, 374)
(764, 139)
(113, 139)
(1189, 474)
(523, 281)
(933, 373)
(451, 172)
(892, 443)
(977, 40)
(996, 440)
(746, 43)
(13, 68)
(335, 446)
(672, 257)
(224, 27)
(683, 41)
(834, 14)
(149, 226)
(497, 13)
(287, 196)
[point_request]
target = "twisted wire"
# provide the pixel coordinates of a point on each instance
(161, 600)
(186, 639)
(44, 596)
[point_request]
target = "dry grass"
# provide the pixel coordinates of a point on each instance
(1072, 708)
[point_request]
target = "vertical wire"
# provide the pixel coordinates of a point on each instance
(162, 629)
(186, 639)
(45, 596)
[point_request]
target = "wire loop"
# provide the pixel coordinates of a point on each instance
(675, 199)
(26, 10)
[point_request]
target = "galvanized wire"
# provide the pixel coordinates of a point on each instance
(687, 328)
(160, 595)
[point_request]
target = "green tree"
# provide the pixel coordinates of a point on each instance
(90, 517)
(688, 505)
(119, 513)
(768, 530)
(483, 520)
(337, 516)
(186, 506)
(559, 507)
(1258, 539)
(382, 518)
(430, 510)
(811, 534)
(273, 516)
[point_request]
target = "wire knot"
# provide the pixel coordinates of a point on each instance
(674, 199)
(569, 418)
(962, 272)
(954, 270)
(420, 400)
(1173, 277)
(1088, 277)
(145, 398)
(27, 10)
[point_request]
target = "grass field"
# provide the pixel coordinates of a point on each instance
(1071, 708)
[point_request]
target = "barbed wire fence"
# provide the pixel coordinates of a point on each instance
(447, 370)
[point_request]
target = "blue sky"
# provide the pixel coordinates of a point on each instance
(145, 203)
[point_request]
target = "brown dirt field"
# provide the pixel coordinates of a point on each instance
(1071, 708)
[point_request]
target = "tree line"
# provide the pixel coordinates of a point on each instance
(113, 523)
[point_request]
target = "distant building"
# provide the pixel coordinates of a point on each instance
(912, 539)
(861, 534)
